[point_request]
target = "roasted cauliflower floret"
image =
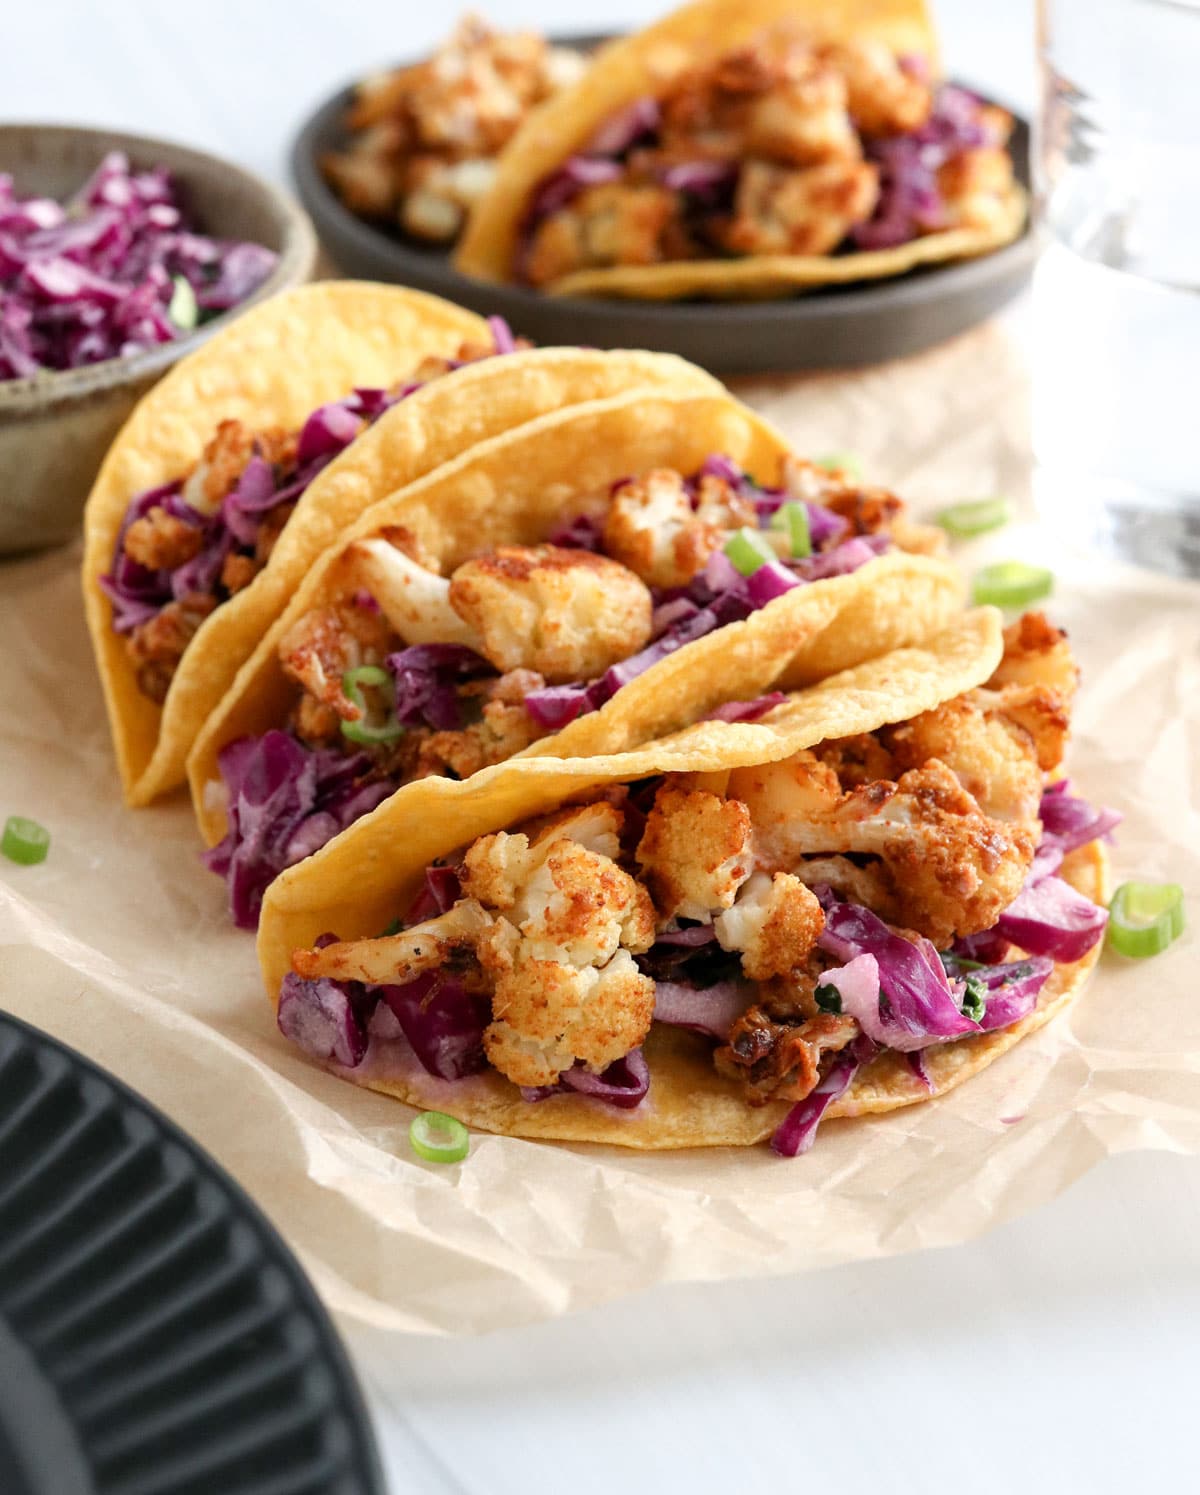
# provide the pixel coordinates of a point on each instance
(975, 187)
(652, 528)
(1036, 653)
(774, 924)
(394, 959)
(782, 210)
(954, 870)
(994, 762)
(613, 224)
(322, 645)
(548, 1016)
(695, 853)
(566, 987)
(568, 903)
(161, 541)
(883, 98)
(414, 599)
(568, 614)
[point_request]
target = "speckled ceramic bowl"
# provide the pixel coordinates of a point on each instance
(56, 427)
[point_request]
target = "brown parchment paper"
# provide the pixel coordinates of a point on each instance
(118, 945)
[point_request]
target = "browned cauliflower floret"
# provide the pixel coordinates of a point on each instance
(568, 903)
(613, 224)
(568, 614)
(322, 645)
(953, 868)
(566, 987)
(975, 186)
(1036, 653)
(652, 528)
(784, 210)
(774, 924)
(548, 1016)
(696, 852)
(883, 98)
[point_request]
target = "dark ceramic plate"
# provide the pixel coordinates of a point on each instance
(156, 1336)
(836, 328)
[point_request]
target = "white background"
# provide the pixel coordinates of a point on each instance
(1056, 1354)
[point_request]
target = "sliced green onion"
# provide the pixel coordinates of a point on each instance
(1145, 917)
(375, 677)
(792, 519)
(828, 998)
(183, 309)
(846, 462)
(393, 928)
(24, 841)
(1012, 584)
(747, 549)
(439, 1138)
(967, 519)
(974, 1000)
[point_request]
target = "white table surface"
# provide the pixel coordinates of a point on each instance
(1057, 1353)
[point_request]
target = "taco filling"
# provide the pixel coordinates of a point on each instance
(411, 673)
(785, 147)
(890, 892)
(424, 138)
(187, 546)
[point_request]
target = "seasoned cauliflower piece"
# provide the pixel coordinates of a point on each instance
(569, 903)
(440, 195)
(549, 1016)
(568, 614)
(395, 959)
(597, 827)
(652, 528)
(613, 224)
(954, 869)
(219, 467)
(994, 761)
(882, 97)
(414, 599)
(161, 541)
(776, 99)
(782, 210)
(975, 186)
(696, 852)
(774, 924)
(322, 645)
(1036, 654)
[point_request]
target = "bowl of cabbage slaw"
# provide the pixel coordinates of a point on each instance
(118, 255)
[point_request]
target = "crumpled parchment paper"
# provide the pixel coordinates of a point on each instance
(118, 945)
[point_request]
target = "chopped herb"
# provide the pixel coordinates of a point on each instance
(828, 998)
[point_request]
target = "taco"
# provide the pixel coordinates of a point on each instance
(750, 148)
(593, 580)
(237, 470)
(849, 905)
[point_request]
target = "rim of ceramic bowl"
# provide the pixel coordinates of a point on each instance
(297, 258)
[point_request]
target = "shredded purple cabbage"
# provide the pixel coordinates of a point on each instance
(896, 988)
(1049, 917)
(798, 1130)
(443, 1023)
(427, 681)
(910, 203)
(711, 1010)
(284, 801)
(440, 891)
(323, 1018)
(1069, 822)
(94, 279)
(624, 1084)
(747, 711)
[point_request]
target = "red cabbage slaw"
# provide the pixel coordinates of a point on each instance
(138, 593)
(117, 269)
(909, 203)
(905, 996)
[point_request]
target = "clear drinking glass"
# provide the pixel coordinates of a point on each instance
(1116, 416)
